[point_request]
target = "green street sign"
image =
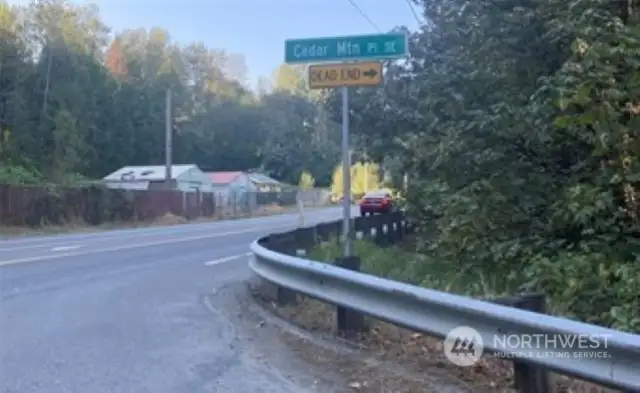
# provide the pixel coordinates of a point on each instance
(349, 48)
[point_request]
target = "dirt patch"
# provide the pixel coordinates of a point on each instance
(274, 209)
(170, 219)
(351, 367)
(417, 354)
(363, 374)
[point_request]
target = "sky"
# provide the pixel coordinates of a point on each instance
(256, 29)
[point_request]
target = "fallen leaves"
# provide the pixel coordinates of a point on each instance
(417, 353)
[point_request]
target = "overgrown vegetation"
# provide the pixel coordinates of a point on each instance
(77, 100)
(516, 122)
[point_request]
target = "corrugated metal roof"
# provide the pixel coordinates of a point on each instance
(147, 173)
(224, 177)
(262, 179)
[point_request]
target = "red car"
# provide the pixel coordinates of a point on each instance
(375, 202)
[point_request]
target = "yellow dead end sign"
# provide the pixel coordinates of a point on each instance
(327, 76)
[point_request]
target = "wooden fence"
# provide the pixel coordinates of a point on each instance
(39, 205)
(32, 206)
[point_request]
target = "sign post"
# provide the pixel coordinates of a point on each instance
(346, 177)
(354, 71)
(300, 204)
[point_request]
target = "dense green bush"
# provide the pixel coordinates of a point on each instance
(614, 305)
(517, 124)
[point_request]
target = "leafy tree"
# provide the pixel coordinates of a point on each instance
(306, 180)
(517, 131)
(364, 177)
(336, 181)
(115, 61)
(73, 101)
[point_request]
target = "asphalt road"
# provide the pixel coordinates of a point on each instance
(138, 310)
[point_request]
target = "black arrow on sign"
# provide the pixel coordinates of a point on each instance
(371, 73)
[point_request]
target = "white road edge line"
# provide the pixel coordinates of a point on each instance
(16, 244)
(227, 259)
(99, 236)
(131, 246)
(65, 248)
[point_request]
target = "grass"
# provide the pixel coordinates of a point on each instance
(404, 264)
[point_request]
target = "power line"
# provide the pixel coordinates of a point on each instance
(364, 15)
(413, 11)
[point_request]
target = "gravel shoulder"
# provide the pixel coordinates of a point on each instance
(350, 366)
(393, 359)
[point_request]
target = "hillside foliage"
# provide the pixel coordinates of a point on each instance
(79, 101)
(516, 122)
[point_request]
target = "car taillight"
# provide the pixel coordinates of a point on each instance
(386, 201)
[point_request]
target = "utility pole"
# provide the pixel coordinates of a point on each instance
(168, 139)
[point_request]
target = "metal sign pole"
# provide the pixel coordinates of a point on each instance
(300, 209)
(168, 138)
(346, 176)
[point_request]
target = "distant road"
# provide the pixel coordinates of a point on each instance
(127, 310)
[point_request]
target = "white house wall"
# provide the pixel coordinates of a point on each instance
(242, 183)
(194, 179)
(127, 185)
(239, 192)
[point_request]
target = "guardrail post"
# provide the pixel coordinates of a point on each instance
(399, 228)
(279, 243)
(305, 239)
(323, 232)
(365, 225)
(529, 378)
(349, 321)
(393, 228)
(402, 227)
(357, 227)
(336, 227)
(366, 228)
(382, 239)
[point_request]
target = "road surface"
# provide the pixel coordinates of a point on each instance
(137, 310)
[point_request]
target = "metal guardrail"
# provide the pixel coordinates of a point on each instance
(436, 313)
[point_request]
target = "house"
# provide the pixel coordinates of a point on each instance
(228, 181)
(264, 183)
(188, 178)
(232, 187)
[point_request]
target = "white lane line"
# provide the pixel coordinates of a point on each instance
(125, 234)
(16, 244)
(226, 259)
(132, 246)
(29, 247)
(65, 248)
